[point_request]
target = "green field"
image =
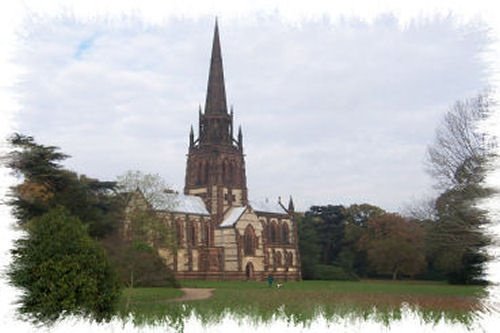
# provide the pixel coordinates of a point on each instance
(364, 286)
(303, 301)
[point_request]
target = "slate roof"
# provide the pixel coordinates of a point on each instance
(267, 207)
(232, 216)
(181, 203)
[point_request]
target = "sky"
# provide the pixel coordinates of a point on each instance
(338, 101)
(333, 111)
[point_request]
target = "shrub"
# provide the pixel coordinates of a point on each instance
(138, 264)
(62, 271)
(331, 272)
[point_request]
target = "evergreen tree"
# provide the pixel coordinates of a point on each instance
(62, 271)
(46, 184)
(329, 222)
(309, 247)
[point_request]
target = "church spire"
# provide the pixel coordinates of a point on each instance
(215, 168)
(216, 92)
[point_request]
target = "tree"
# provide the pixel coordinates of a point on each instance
(359, 215)
(329, 236)
(309, 248)
(62, 271)
(154, 189)
(458, 240)
(351, 257)
(457, 160)
(39, 167)
(394, 245)
(329, 223)
(145, 232)
(459, 151)
(138, 264)
(46, 184)
(143, 194)
(423, 209)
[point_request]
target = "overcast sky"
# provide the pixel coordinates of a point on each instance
(333, 112)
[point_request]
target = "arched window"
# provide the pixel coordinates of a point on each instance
(249, 241)
(206, 234)
(277, 258)
(178, 230)
(285, 233)
(273, 232)
(277, 232)
(191, 234)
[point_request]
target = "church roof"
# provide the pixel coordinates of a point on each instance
(267, 207)
(232, 216)
(181, 203)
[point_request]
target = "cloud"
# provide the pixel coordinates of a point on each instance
(332, 112)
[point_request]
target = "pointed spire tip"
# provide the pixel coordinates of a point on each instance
(216, 92)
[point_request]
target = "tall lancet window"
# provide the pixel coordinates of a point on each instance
(285, 233)
(191, 234)
(249, 241)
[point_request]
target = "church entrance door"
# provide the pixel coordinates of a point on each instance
(249, 271)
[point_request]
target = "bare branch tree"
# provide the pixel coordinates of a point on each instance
(154, 189)
(458, 160)
(459, 147)
(423, 209)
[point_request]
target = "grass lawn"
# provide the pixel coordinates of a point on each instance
(141, 295)
(364, 286)
(302, 301)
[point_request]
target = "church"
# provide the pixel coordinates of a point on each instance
(221, 235)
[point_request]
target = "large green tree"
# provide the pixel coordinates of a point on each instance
(329, 238)
(329, 222)
(309, 247)
(46, 184)
(62, 270)
(58, 264)
(458, 241)
(351, 257)
(394, 245)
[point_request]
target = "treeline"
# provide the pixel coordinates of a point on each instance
(364, 241)
(360, 241)
(72, 259)
(442, 238)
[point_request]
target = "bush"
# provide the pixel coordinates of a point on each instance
(331, 272)
(138, 264)
(62, 271)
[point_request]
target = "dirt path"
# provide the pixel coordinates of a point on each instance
(194, 294)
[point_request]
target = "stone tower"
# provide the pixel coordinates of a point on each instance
(215, 168)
